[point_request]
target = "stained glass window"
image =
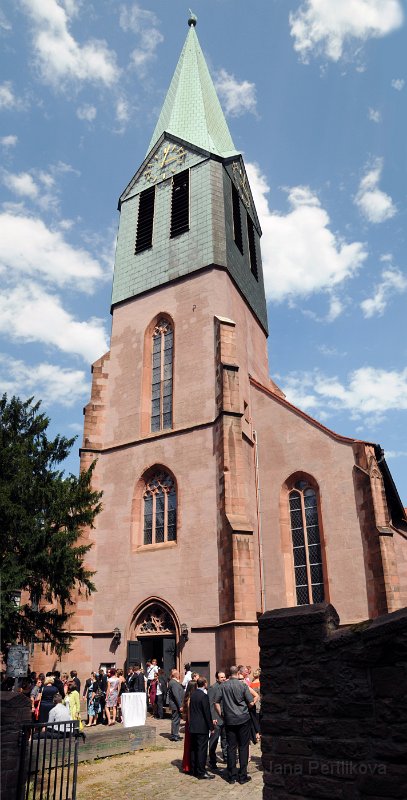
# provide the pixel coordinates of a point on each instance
(161, 384)
(309, 578)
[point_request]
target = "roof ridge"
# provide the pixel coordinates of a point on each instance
(284, 401)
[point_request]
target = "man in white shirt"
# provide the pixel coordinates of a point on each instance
(59, 714)
(152, 669)
(187, 676)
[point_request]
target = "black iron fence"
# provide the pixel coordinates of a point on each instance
(48, 761)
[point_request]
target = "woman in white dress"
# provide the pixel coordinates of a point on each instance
(112, 696)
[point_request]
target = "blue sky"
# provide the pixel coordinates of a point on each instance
(315, 97)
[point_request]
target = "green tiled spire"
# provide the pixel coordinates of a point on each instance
(191, 109)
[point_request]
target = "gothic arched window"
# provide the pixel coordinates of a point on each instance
(161, 385)
(306, 542)
(160, 509)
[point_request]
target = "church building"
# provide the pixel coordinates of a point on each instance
(220, 498)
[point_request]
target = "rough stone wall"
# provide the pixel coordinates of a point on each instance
(15, 709)
(334, 710)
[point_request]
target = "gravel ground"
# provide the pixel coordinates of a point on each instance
(155, 774)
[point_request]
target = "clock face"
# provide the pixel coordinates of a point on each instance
(165, 162)
(241, 182)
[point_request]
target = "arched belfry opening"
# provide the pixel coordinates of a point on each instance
(154, 633)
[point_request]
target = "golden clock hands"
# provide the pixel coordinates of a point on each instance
(173, 158)
(166, 151)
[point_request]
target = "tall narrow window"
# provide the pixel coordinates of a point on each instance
(252, 247)
(237, 221)
(161, 389)
(309, 579)
(160, 509)
(180, 203)
(144, 237)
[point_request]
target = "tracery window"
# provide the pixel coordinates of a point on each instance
(160, 509)
(155, 619)
(306, 541)
(161, 388)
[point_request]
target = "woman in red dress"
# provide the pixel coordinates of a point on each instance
(186, 761)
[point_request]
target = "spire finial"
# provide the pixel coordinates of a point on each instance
(192, 19)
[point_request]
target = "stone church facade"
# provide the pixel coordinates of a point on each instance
(220, 498)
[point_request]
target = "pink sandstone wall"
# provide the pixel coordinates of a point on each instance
(288, 444)
(185, 574)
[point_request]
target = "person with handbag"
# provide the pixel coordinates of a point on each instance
(35, 696)
(91, 689)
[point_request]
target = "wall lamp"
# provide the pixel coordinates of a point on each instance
(184, 631)
(117, 635)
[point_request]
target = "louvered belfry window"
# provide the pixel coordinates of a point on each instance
(309, 579)
(160, 509)
(252, 247)
(237, 220)
(180, 203)
(161, 385)
(144, 236)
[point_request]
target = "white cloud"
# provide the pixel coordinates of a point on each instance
(4, 23)
(8, 141)
(8, 99)
(368, 391)
(122, 110)
(395, 454)
(374, 115)
(301, 255)
(393, 282)
(237, 98)
(22, 184)
(51, 383)
(327, 26)
(60, 58)
(335, 308)
(398, 83)
(30, 314)
(86, 112)
(375, 205)
(145, 24)
(29, 247)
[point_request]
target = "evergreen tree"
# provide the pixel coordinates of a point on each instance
(42, 515)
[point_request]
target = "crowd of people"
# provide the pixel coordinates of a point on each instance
(223, 713)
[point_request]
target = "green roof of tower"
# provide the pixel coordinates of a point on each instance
(191, 108)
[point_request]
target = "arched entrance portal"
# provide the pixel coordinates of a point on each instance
(153, 634)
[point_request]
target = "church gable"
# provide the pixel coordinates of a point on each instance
(237, 173)
(169, 156)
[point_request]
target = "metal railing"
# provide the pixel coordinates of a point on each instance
(48, 761)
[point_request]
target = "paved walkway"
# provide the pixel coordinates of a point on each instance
(155, 774)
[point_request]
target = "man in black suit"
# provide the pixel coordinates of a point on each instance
(200, 723)
(219, 732)
(137, 681)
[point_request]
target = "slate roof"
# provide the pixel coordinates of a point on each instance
(191, 109)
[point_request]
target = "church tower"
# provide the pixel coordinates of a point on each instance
(186, 427)
(168, 420)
